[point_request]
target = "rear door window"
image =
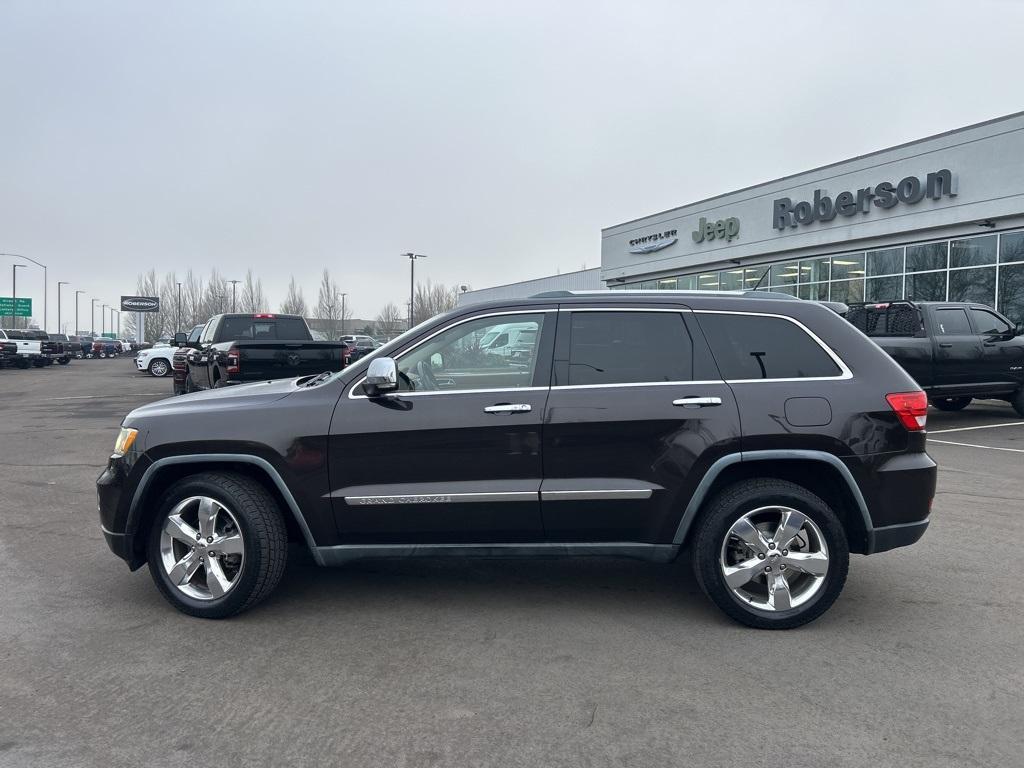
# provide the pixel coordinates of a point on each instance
(629, 348)
(952, 322)
(757, 347)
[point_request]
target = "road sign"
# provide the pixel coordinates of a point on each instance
(109, 335)
(15, 307)
(140, 303)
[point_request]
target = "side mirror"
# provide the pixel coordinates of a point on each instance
(381, 377)
(180, 339)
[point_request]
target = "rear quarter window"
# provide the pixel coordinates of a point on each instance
(755, 347)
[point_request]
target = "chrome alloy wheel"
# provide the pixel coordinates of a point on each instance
(774, 559)
(201, 548)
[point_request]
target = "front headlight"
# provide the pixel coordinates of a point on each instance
(125, 439)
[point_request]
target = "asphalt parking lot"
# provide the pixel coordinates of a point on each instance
(506, 663)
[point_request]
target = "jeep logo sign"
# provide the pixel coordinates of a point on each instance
(723, 229)
(140, 304)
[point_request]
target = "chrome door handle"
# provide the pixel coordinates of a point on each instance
(508, 408)
(697, 402)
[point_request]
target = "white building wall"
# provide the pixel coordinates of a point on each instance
(584, 280)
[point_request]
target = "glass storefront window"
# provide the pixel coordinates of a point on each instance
(973, 285)
(921, 258)
(848, 265)
(887, 262)
(752, 276)
(1011, 247)
(731, 279)
(667, 284)
(848, 291)
(1011, 292)
(814, 270)
(788, 289)
(707, 282)
(925, 286)
(785, 273)
(687, 283)
(972, 252)
(649, 285)
(884, 288)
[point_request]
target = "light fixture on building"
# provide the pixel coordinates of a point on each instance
(987, 223)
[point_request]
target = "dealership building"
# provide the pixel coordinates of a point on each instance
(938, 219)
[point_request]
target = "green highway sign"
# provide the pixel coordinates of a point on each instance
(15, 307)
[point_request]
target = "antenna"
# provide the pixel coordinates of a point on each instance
(758, 283)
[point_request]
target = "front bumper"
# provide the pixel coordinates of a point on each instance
(111, 495)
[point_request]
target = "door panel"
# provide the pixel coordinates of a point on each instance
(958, 351)
(1002, 351)
(630, 456)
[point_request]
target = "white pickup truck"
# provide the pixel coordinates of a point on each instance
(34, 347)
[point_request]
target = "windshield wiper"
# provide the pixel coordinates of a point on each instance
(317, 379)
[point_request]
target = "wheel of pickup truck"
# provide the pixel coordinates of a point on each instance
(770, 554)
(159, 368)
(102, 354)
(218, 545)
(1017, 401)
(951, 403)
(64, 360)
(23, 362)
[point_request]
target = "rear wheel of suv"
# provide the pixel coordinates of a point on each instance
(770, 554)
(951, 403)
(218, 545)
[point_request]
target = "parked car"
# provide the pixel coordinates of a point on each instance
(8, 353)
(236, 348)
(359, 346)
(179, 362)
(768, 437)
(956, 351)
(66, 349)
(104, 348)
(34, 347)
(156, 361)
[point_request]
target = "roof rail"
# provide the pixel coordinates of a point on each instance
(563, 294)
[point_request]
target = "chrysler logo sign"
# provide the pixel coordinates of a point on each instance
(652, 243)
(140, 304)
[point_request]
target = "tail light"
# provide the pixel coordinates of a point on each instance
(911, 408)
(234, 360)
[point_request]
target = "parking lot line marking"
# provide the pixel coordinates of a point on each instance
(982, 426)
(974, 445)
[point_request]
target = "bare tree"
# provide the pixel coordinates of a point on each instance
(294, 303)
(390, 320)
(253, 298)
(192, 301)
(433, 299)
(216, 297)
(328, 308)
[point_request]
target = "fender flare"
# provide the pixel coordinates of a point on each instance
(700, 494)
(131, 525)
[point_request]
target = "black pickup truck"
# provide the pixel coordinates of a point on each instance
(238, 348)
(8, 353)
(955, 351)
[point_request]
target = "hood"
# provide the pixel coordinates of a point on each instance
(236, 396)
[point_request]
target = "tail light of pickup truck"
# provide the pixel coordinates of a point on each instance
(234, 361)
(911, 408)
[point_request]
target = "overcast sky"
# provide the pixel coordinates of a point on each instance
(498, 138)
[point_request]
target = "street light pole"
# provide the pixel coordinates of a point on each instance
(14, 291)
(59, 284)
(103, 319)
(343, 313)
(76, 312)
(38, 264)
(177, 323)
(112, 311)
(412, 282)
(233, 284)
(92, 318)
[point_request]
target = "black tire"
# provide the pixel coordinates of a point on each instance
(263, 532)
(726, 509)
(64, 360)
(951, 403)
(24, 363)
(1018, 402)
(157, 366)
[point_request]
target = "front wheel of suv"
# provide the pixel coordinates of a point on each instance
(218, 545)
(770, 554)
